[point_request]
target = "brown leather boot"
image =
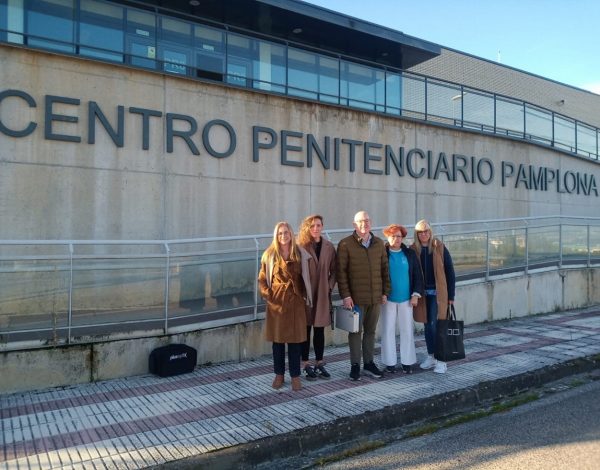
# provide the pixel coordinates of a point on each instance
(296, 384)
(278, 382)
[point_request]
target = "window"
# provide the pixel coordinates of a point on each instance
(313, 76)
(141, 39)
(362, 87)
(174, 45)
(255, 63)
(101, 30)
(209, 44)
(50, 24)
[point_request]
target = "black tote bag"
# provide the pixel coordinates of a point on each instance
(449, 344)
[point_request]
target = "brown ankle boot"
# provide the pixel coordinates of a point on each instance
(278, 382)
(296, 384)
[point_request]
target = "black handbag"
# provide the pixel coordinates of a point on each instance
(449, 344)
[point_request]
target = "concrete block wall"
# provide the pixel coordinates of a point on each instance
(476, 302)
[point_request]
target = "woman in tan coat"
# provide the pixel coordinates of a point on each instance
(322, 277)
(285, 285)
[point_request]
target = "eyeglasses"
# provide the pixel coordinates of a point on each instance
(396, 236)
(362, 222)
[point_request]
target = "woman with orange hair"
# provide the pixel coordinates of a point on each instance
(407, 287)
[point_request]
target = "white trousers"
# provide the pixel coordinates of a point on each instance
(397, 314)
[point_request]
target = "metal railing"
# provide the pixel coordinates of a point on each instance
(78, 291)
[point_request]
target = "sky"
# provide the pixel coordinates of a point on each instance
(557, 39)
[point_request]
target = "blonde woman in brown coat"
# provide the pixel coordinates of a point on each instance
(284, 283)
(439, 282)
(322, 277)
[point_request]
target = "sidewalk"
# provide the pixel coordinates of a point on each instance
(229, 416)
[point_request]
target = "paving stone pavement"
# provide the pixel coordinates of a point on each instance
(147, 421)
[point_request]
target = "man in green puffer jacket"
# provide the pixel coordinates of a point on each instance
(364, 283)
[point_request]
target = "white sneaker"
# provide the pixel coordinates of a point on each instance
(440, 367)
(428, 363)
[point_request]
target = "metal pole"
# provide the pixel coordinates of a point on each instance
(70, 320)
(167, 264)
(257, 261)
(487, 255)
(560, 246)
(589, 248)
(526, 250)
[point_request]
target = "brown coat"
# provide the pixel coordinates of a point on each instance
(363, 273)
(322, 279)
(420, 311)
(285, 320)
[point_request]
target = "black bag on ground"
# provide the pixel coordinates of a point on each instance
(449, 344)
(172, 359)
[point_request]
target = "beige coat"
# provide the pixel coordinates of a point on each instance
(322, 280)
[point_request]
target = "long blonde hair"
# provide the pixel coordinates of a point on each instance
(274, 250)
(304, 236)
(423, 226)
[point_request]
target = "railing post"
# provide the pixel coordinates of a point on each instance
(560, 246)
(70, 319)
(256, 282)
(589, 248)
(487, 255)
(526, 250)
(167, 265)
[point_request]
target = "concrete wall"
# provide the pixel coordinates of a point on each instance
(53, 188)
(516, 296)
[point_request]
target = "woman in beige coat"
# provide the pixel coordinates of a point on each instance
(285, 285)
(322, 277)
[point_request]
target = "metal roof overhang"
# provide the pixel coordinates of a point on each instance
(307, 24)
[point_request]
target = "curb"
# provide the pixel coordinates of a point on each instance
(345, 430)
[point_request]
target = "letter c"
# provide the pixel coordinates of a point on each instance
(30, 101)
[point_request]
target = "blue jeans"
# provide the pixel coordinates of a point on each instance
(432, 312)
(294, 353)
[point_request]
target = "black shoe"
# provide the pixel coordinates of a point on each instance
(355, 372)
(321, 372)
(406, 369)
(309, 373)
(372, 369)
(391, 369)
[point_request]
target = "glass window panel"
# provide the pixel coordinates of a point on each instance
(141, 38)
(468, 252)
(586, 140)
(329, 79)
(303, 74)
(543, 246)
(507, 250)
(564, 133)
(50, 24)
(443, 102)
(101, 30)
(595, 244)
(413, 96)
(574, 243)
(538, 124)
(210, 52)
(240, 53)
(478, 110)
(259, 64)
(393, 100)
(269, 67)
(12, 21)
(509, 117)
(362, 87)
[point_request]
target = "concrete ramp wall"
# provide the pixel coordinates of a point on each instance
(476, 302)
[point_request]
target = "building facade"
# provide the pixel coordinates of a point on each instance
(128, 120)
